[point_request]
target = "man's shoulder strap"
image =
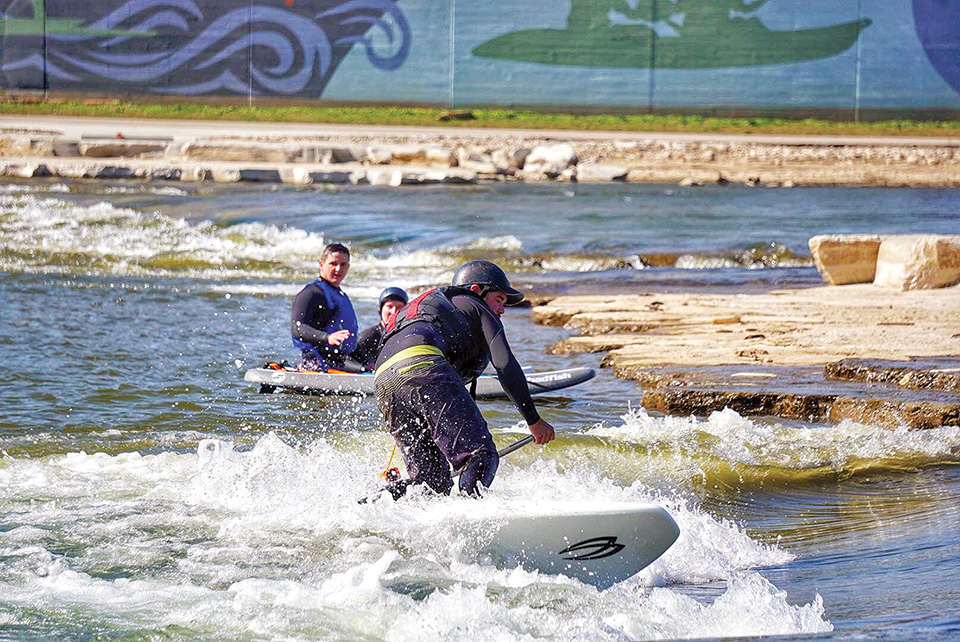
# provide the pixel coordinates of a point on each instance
(409, 311)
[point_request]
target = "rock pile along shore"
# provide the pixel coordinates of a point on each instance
(446, 156)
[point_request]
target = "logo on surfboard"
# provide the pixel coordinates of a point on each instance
(594, 548)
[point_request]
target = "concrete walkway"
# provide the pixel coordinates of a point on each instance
(183, 130)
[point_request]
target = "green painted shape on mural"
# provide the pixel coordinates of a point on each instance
(709, 38)
(37, 26)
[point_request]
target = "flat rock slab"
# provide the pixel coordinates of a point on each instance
(812, 326)
(138, 148)
(941, 374)
(765, 354)
(794, 393)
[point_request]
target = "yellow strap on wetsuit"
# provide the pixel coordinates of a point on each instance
(408, 353)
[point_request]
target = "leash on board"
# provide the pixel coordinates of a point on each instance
(391, 474)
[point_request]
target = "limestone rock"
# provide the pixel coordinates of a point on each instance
(918, 261)
(479, 161)
(804, 407)
(390, 177)
(165, 174)
(420, 155)
(519, 158)
(377, 156)
(601, 173)
(25, 170)
(26, 146)
(113, 171)
(14, 146)
(109, 148)
(914, 374)
(243, 151)
(550, 160)
(76, 170)
(454, 176)
(226, 174)
(504, 162)
(196, 174)
(328, 155)
(845, 258)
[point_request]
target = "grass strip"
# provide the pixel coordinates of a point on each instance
(493, 118)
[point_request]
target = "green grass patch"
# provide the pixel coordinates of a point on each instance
(503, 118)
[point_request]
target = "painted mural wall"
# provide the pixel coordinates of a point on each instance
(695, 54)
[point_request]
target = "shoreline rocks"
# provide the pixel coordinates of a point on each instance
(904, 262)
(696, 353)
(495, 157)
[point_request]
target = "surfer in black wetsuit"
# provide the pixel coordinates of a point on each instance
(438, 342)
(364, 357)
(322, 322)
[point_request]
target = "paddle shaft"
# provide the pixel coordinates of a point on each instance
(517, 445)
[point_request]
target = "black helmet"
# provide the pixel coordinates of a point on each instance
(393, 294)
(489, 277)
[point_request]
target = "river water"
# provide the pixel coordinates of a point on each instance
(148, 492)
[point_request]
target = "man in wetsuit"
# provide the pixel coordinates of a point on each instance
(322, 321)
(438, 342)
(364, 357)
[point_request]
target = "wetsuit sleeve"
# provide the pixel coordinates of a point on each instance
(309, 307)
(511, 375)
(368, 346)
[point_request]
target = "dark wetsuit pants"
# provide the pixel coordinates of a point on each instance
(437, 424)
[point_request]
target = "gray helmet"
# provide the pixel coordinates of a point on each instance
(393, 294)
(489, 277)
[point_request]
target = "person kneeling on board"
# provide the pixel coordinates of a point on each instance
(438, 342)
(322, 321)
(364, 357)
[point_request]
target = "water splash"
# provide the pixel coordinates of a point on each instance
(270, 540)
(54, 236)
(726, 448)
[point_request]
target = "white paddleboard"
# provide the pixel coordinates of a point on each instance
(328, 383)
(598, 544)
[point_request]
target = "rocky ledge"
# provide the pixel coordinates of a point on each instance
(446, 157)
(780, 353)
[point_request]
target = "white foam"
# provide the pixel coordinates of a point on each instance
(18, 188)
(105, 239)
(591, 264)
(730, 438)
(270, 540)
(145, 189)
(750, 606)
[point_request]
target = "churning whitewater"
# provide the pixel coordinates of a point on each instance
(147, 490)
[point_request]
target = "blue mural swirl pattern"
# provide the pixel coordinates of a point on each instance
(389, 9)
(169, 46)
